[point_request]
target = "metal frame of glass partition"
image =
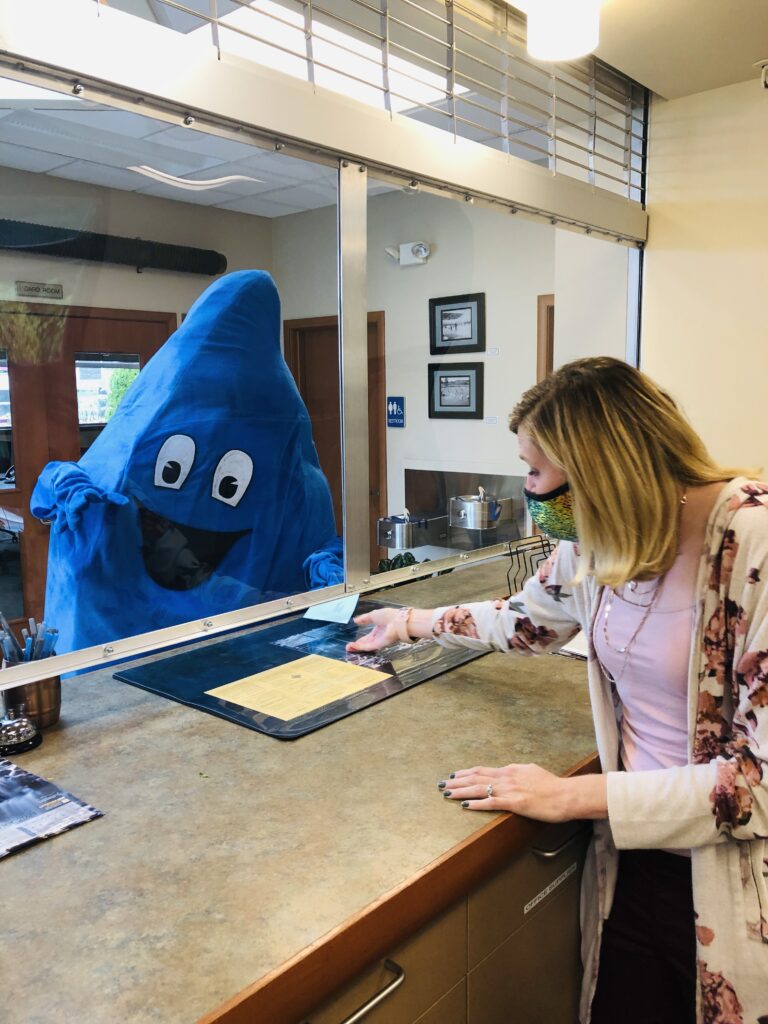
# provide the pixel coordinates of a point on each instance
(351, 251)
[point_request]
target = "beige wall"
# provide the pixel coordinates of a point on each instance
(591, 283)
(44, 199)
(705, 323)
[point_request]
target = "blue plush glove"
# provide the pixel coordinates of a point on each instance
(62, 493)
(325, 567)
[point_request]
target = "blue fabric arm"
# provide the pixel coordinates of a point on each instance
(325, 567)
(62, 493)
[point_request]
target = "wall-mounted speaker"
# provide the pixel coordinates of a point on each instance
(69, 243)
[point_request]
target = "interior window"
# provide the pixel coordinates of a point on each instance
(101, 379)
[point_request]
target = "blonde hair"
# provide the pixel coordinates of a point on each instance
(627, 453)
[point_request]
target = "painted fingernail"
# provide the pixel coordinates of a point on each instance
(441, 784)
(452, 775)
(447, 792)
(465, 803)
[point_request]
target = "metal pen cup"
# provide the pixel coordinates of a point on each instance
(39, 701)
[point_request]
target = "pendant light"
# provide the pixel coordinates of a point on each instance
(561, 29)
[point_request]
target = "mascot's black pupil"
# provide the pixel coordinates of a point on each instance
(171, 472)
(228, 487)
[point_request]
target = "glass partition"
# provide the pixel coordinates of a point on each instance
(11, 519)
(177, 430)
(459, 287)
(176, 451)
(6, 426)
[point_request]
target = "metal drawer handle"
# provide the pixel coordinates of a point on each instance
(549, 854)
(365, 1009)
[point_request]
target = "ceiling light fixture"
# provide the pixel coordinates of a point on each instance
(561, 29)
(191, 185)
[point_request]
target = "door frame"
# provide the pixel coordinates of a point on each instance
(545, 335)
(27, 383)
(291, 331)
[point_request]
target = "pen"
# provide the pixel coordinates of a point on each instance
(37, 646)
(7, 629)
(49, 642)
(9, 652)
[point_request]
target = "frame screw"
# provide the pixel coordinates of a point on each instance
(188, 120)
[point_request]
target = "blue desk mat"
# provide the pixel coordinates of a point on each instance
(185, 677)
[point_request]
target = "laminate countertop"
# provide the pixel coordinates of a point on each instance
(225, 856)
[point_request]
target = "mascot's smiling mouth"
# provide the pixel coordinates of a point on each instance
(180, 557)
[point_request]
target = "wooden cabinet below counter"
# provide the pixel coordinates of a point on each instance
(509, 950)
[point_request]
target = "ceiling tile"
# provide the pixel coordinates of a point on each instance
(378, 188)
(210, 197)
(49, 133)
(291, 167)
(98, 174)
(303, 197)
(123, 122)
(193, 141)
(684, 47)
(28, 159)
(260, 206)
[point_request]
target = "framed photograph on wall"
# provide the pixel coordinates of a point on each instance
(455, 391)
(457, 324)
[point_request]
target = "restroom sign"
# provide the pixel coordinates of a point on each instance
(395, 411)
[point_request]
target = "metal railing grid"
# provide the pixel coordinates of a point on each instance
(459, 65)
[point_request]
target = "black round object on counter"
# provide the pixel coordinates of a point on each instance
(17, 735)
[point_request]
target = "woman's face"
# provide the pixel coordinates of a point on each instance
(543, 476)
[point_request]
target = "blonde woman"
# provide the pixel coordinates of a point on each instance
(663, 561)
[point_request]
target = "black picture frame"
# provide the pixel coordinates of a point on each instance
(457, 324)
(455, 391)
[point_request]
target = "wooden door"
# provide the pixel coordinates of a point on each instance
(49, 351)
(312, 354)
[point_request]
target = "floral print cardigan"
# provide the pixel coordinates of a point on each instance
(717, 804)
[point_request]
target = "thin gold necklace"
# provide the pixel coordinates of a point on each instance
(626, 650)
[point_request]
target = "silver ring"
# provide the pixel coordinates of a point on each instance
(489, 789)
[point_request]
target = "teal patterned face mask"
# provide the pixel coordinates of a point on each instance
(553, 512)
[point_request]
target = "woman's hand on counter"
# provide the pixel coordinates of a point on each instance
(529, 790)
(389, 627)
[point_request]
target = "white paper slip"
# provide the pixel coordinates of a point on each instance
(334, 611)
(576, 648)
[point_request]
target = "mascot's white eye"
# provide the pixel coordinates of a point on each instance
(174, 461)
(232, 476)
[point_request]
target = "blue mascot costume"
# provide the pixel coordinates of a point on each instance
(202, 494)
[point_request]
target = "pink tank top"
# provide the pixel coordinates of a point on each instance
(652, 682)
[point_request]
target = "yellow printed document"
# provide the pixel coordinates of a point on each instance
(299, 687)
